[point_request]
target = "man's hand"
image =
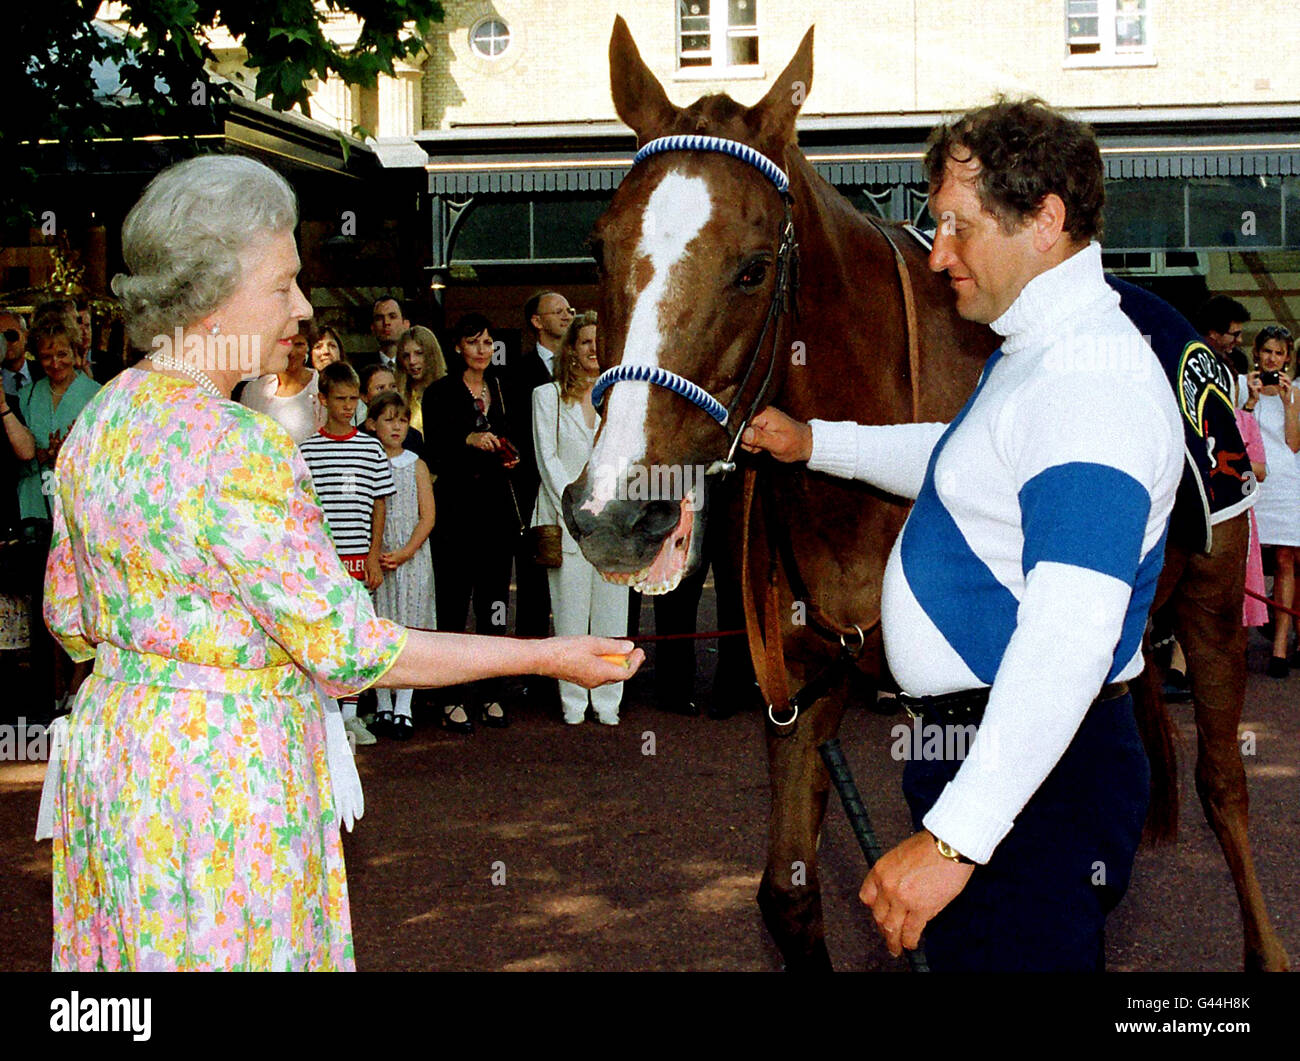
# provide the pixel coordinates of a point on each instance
(908, 886)
(785, 438)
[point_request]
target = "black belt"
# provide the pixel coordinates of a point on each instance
(967, 706)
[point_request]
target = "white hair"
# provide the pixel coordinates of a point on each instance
(183, 239)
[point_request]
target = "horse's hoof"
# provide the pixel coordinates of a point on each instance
(818, 960)
(1270, 959)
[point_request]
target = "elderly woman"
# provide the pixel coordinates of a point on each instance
(290, 398)
(564, 429)
(420, 363)
(192, 816)
(1271, 395)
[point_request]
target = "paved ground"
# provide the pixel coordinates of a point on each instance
(612, 858)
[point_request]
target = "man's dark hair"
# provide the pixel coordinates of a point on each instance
(386, 298)
(1026, 151)
(336, 375)
(1220, 313)
(469, 324)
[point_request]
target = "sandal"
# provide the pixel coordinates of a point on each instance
(465, 725)
(497, 720)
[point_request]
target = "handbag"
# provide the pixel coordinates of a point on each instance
(544, 543)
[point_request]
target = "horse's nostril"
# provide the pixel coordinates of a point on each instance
(658, 518)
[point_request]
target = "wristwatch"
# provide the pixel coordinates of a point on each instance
(950, 853)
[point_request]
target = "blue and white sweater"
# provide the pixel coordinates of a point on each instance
(1030, 558)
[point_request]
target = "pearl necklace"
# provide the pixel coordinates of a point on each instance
(197, 375)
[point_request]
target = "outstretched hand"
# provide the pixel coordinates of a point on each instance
(581, 660)
(776, 433)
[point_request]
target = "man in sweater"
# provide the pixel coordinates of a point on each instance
(1016, 595)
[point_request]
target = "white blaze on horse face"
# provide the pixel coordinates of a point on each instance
(676, 212)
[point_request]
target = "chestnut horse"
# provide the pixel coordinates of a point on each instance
(703, 312)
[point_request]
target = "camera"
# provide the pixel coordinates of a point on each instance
(1268, 379)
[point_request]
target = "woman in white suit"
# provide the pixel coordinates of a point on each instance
(564, 428)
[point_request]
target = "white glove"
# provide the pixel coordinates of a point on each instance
(349, 801)
(58, 737)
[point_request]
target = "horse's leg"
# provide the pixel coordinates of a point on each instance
(790, 893)
(1208, 603)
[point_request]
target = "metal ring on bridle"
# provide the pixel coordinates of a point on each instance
(794, 714)
(862, 641)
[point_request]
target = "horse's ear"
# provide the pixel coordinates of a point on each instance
(772, 117)
(639, 99)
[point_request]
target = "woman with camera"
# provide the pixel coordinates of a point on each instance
(468, 449)
(1269, 393)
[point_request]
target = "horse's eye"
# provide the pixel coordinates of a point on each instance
(752, 276)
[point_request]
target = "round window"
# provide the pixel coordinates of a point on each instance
(489, 38)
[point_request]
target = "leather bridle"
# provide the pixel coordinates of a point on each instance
(783, 289)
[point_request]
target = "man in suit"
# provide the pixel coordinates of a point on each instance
(387, 323)
(19, 372)
(546, 318)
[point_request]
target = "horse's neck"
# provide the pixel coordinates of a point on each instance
(848, 312)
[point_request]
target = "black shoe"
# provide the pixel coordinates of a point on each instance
(1277, 667)
(689, 708)
(449, 723)
(383, 724)
(496, 721)
(400, 728)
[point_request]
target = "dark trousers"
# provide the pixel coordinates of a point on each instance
(1040, 904)
(467, 570)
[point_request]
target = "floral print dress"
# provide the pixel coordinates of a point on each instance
(194, 826)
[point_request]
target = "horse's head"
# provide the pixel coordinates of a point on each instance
(688, 253)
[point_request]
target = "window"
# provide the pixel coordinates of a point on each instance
(1107, 32)
(717, 33)
(489, 38)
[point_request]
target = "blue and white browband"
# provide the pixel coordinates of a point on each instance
(734, 148)
(660, 377)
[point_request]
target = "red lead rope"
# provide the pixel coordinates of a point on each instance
(1273, 603)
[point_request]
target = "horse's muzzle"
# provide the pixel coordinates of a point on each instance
(622, 536)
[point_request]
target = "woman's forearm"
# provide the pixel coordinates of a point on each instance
(430, 660)
(433, 660)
